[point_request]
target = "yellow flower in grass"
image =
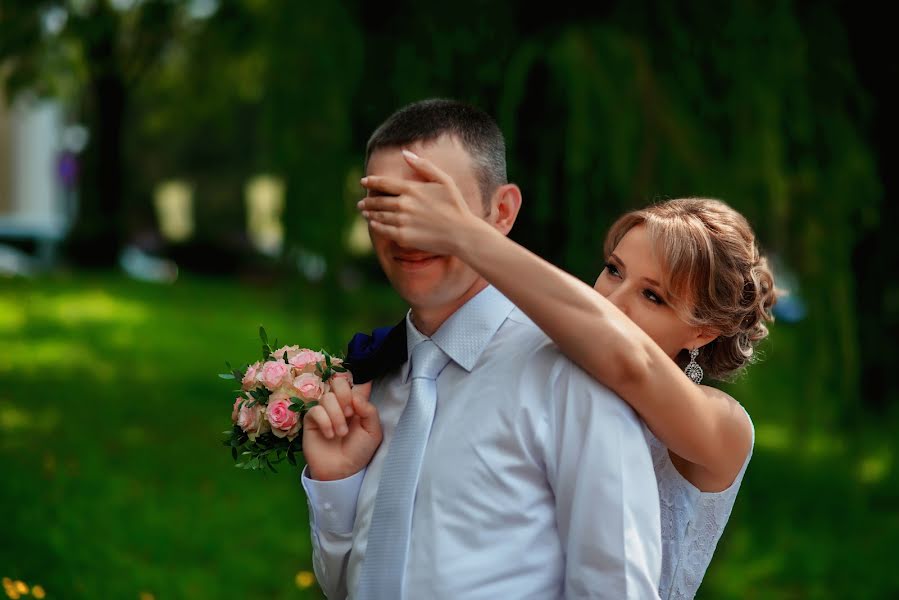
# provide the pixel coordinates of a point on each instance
(147, 596)
(14, 589)
(10, 588)
(38, 592)
(305, 579)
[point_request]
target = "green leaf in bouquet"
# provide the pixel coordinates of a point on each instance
(227, 376)
(262, 335)
(311, 404)
(339, 369)
(291, 458)
(295, 408)
(234, 453)
(296, 400)
(286, 361)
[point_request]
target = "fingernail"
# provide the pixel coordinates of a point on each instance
(410, 155)
(360, 204)
(348, 411)
(365, 213)
(364, 180)
(342, 430)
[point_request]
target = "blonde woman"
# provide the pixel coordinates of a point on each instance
(684, 295)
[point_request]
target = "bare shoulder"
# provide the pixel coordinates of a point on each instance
(737, 419)
(736, 435)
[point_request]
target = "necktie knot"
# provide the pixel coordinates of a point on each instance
(428, 360)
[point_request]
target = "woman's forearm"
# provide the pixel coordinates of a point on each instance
(607, 344)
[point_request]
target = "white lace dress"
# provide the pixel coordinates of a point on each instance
(692, 524)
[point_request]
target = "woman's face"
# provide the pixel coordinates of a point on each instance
(631, 280)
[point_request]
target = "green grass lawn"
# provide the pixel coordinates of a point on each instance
(115, 485)
(114, 480)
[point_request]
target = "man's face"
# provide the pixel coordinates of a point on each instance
(425, 280)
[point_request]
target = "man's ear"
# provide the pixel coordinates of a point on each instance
(505, 204)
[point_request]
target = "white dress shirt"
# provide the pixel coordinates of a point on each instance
(537, 482)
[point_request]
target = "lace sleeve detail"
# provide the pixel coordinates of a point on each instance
(701, 534)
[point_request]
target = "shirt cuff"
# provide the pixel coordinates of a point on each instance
(333, 503)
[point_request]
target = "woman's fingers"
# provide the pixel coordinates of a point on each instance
(392, 186)
(426, 168)
(383, 216)
(382, 203)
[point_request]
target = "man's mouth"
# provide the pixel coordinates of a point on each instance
(415, 262)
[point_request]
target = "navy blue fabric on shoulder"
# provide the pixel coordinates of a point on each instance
(370, 356)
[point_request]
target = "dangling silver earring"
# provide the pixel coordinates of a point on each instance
(693, 370)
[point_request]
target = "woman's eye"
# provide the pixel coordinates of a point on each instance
(653, 297)
(613, 270)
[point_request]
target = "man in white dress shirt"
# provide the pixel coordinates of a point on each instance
(536, 481)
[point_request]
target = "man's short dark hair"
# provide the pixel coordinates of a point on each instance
(427, 120)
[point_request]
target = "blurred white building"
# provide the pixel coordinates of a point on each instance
(35, 204)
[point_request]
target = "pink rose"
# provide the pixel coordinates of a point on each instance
(273, 374)
(236, 410)
(251, 421)
(305, 360)
(309, 386)
(251, 377)
(289, 350)
(284, 422)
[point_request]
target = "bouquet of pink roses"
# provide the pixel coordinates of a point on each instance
(275, 394)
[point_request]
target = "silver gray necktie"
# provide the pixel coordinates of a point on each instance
(388, 537)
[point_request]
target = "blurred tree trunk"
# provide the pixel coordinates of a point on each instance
(99, 233)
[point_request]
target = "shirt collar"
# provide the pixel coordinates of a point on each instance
(466, 333)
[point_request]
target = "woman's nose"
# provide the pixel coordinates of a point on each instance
(618, 297)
